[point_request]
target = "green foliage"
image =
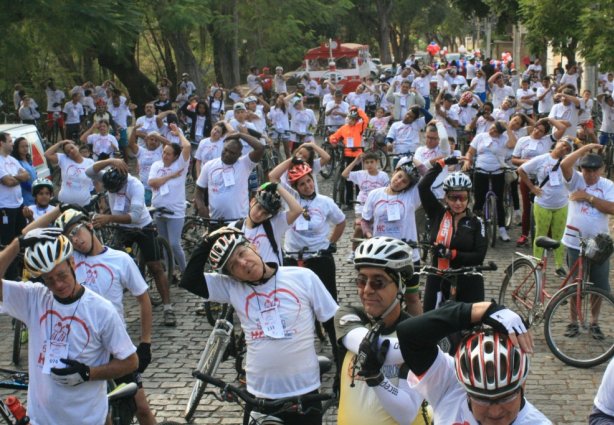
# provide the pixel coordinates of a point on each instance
(597, 33)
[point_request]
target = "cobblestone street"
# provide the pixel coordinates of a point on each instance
(563, 393)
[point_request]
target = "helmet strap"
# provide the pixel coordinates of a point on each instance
(309, 197)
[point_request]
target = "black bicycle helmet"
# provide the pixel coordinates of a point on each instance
(270, 201)
(113, 179)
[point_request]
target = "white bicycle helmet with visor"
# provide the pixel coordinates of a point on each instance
(457, 181)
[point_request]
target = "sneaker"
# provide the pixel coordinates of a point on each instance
(561, 272)
(503, 234)
(522, 241)
(169, 318)
(572, 330)
(596, 333)
(350, 258)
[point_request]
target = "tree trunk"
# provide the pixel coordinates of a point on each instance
(186, 62)
(384, 7)
(225, 42)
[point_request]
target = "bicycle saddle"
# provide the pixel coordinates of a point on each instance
(547, 243)
(123, 391)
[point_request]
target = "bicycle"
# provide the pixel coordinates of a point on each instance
(450, 276)
(299, 139)
(54, 131)
(20, 331)
(608, 154)
(489, 211)
(13, 380)
(223, 341)
(231, 393)
(191, 177)
(339, 183)
(524, 288)
(336, 158)
(376, 143)
(122, 407)
(269, 161)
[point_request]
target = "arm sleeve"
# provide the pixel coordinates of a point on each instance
(400, 402)
(478, 253)
(431, 205)
(193, 278)
(419, 335)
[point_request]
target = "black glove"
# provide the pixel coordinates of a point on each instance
(39, 235)
(451, 160)
(442, 252)
(143, 351)
(504, 320)
(297, 161)
(371, 356)
(75, 374)
(332, 248)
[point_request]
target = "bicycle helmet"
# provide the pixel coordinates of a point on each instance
(44, 256)
(384, 252)
(297, 172)
(69, 218)
(353, 113)
(466, 97)
(457, 181)
(223, 248)
(411, 172)
(113, 179)
(270, 201)
(489, 365)
(38, 184)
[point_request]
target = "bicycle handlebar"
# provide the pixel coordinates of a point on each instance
(260, 402)
(491, 266)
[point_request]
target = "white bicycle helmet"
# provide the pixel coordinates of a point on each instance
(44, 256)
(223, 248)
(38, 184)
(457, 181)
(70, 217)
(384, 252)
(489, 365)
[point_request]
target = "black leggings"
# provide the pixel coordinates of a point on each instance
(349, 186)
(12, 223)
(480, 182)
(469, 289)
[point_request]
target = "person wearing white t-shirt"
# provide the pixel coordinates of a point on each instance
(186, 84)
(567, 108)
(542, 176)
(606, 131)
(591, 202)
(448, 114)
(570, 77)
(167, 178)
(403, 137)
(73, 115)
(253, 81)
(437, 145)
(279, 118)
(422, 84)
(281, 357)
(279, 81)
(463, 389)
(483, 119)
(76, 185)
(390, 211)
(147, 123)
(335, 111)
(103, 144)
(602, 412)
(54, 107)
(120, 109)
(211, 147)
(498, 89)
(526, 97)
(257, 108)
(222, 190)
(545, 97)
(146, 155)
(302, 120)
(72, 333)
(311, 153)
(478, 85)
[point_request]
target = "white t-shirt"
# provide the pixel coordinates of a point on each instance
(76, 185)
(109, 274)
(570, 79)
(480, 84)
(500, 93)
(422, 85)
(145, 158)
(253, 84)
(604, 400)
(278, 367)
(536, 68)
(313, 233)
(279, 84)
(131, 199)
(171, 194)
(545, 105)
(73, 112)
(569, 113)
(301, 120)
(384, 209)
(89, 329)
(208, 150)
(280, 120)
(189, 87)
(525, 104)
(471, 70)
(119, 113)
(356, 99)
(339, 120)
(38, 212)
(482, 125)
(10, 197)
(257, 236)
(227, 186)
(528, 147)
(490, 151)
(465, 114)
(555, 193)
(607, 118)
(406, 137)
(582, 214)
(366, 183)
(586, 112)
(315, 169)
(54, 96)
(106, 144)
(448, 398)
(424, 155)
(501, 114)
(148, 124)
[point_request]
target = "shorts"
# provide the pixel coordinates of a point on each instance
(283, 135)
(122, 140)
(146, 240)
(412, 285)
(252, 181)
(59, 119)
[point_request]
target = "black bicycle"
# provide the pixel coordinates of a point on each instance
(13, 380)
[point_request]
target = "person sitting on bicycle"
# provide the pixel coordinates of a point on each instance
(366, 180)
(484, 382)
(437, 145)
(390, 211)
(457, 236)
(306, 153)
(336, 111)
(591, 203)
(279, 333)
(279, 118)
(602, 412)
(371, 392)
(302, 119)
(104, 144)
(72, 332)
(351, 136)
(127, 204)
(491, 149)
(403, 138)
(266, 223)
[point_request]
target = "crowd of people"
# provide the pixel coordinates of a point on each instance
(448, 152)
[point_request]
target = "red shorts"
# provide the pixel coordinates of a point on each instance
(59, 119)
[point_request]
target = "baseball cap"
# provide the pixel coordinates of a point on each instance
(239, 106)
(591, 161)
(249, 99)
(185, 74)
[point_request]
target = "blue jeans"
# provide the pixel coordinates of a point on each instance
(604, 137)
(598, 273)
(427, 102)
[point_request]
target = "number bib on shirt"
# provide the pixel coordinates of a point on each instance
(54, 351)
(229, 177)
(393, 212)
(271, 324)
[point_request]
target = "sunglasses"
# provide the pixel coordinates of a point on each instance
(73, 233)
(375, 284)
(457, 198)
(486, 402)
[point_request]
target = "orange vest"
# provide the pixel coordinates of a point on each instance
(351, 135)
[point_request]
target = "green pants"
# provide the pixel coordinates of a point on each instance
(553, 221)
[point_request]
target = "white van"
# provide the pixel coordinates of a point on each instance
(37, 149)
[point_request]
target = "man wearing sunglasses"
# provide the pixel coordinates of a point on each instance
(371, 393)
(484, 382)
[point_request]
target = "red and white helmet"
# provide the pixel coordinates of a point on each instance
(489, 365)
(297, 172)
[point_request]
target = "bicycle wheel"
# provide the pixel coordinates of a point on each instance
(520, 288)
(338, 189)
(492, 225)
(214, 311)
(208, 363)
(327, 170)
(580, 348)
(18, 327)
(609, 159)
(192, 235)
(508, 206)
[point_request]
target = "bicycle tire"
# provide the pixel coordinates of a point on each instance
(192, 235)
(508, 205)
(207, 364)
(168, 260)
(214, 311)
(492, 207)
(582, 350)
(338, 189)
(17, 328)
(520, 288)
(609, 159)
(327, 170)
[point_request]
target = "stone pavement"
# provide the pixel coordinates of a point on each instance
(562, 392)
